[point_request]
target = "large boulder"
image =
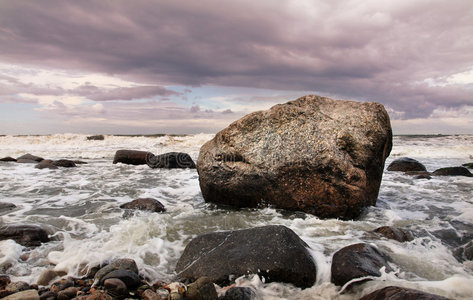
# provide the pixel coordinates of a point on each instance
(314, 154)
(406, 164)
(132, 157)
(400, 293)
(452, 171)
(357, 261)
(172, 160)
(274, 252)
(30, 157)
(26, 235)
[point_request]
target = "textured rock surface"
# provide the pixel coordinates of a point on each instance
(26, 235)
(274, 252)
(398, 293)
(24, 295)
(30, 157)
(65, 163)
(406, 164)
(356, 261)
(148, 204)
(452, 171)
(240, 293)
(314, 154)
(132, 157)
(398, 234)
(172, 160)
(46, 164)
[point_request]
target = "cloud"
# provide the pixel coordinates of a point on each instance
(395, 53)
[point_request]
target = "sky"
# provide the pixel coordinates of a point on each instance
(180, 66)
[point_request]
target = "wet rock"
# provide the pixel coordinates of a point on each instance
(171, 160)
(80, 162)
(15, 287)
(406, 164)
(23, 295)
(48, 275)
(115, 287)
(468, 165)
(132, 157)
(68, 293)
(163, 294)
(98, 137)
(398, 293)
(48, 296)
(148, 204)
(274, 252)
(240, 293)
(30, 157)
(356, 261)
(96, 295)
(65, 163)
(452, 171)
(201, 289)
(419, 174)
(116, 264)
(26, 235)
(398, 234)
(464, 252)
(314, 154)
(176, 290)
(4, 206)
(26, 161)
(7, 159)
(61, 285)
(150, 295)
(131, 279)
(46, 164)
(4, 281)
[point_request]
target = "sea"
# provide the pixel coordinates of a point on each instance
(80, 209)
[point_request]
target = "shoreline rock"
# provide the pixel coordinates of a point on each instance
(132, 157)
(146, 204)
(314, 154)
(452, 171)
(26, 235)
(406, 164)
(171, 160)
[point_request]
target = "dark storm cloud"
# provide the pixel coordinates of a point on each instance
(370, 50)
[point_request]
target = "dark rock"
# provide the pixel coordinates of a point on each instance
(26, 235)
(115, 287)
(26, 161)
(80, 162)
(48, 296)
(274, 252)
(116, 264)
(240, 293)
(356, 261)
(46, 277)
(393, 233)
(46, 164)
(24, 295)
(148, 204)
(452, 171)
(464, 252)
(314, 154)
(468, 165)
(61, 285)
(15, 287)
(64, 163)
(68, 293)
(406, 164)
(419, 174)
(201, 289)
(4, 206)
(171, 160)
(398, 293)
(30, 157)
(98, 137)
(7, 159)
(131, 279)
(4, 281)
(132, 157)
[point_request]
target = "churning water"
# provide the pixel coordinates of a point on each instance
(80, 208)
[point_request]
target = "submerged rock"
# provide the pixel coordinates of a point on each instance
(98, 137)
(5, 206)
(30, 157)
(171, 160)
(357, 261)
(398, 234)
(468, 165)
(26, 235)
(274, 252)
(46, 164)
(406, 164)
(65, 163)
(314, 154)
(148, 204)
(452, 171)
(7, 159)
(399, 293)
(464, 252)
(132, 157)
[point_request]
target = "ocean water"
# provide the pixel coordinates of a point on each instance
(80, 208)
